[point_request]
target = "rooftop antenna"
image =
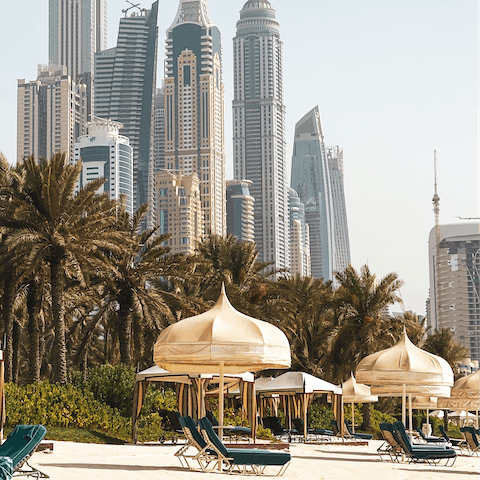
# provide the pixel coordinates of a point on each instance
(133, 5)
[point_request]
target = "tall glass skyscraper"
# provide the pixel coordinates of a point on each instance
(259, 126)
(125, 85)
(194, 108)
(317, 176)
(77, 29)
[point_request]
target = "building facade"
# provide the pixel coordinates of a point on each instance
(179, 210)
(77, 29)
(240, 210)
(455, 283)
(51, 113)
(300, 262)
(159, 135)
(339, 208)
(125, 86)
(194, 108)
(259, 126)
(311, 179)
(106, 154)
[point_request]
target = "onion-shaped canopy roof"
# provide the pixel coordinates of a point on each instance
(225, 336)
(354, 392)
(404, 364)
(465, 394)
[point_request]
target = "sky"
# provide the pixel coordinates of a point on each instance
(394, 80)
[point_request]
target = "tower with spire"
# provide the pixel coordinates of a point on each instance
(259, 126)
(194, 108)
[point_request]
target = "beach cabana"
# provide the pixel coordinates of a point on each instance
(297, 390)
(405, 370)
(354, 392)
(222, 340)
(190, 390)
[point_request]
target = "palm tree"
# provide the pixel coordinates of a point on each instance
(303, 309)
(133, 309)
(65, 232)
(442, 343)
(361, 326)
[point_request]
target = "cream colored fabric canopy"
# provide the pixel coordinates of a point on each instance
(424, 403)
(404, 364)
(354, 392)
(222, 335)
(465, 394)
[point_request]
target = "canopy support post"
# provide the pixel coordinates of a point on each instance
(404, 404)
(410, 418)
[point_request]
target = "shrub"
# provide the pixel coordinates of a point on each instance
(320, 416)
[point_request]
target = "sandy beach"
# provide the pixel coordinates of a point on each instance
(72, 461)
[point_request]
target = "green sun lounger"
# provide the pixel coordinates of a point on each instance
(19, 446)
(241, 458)
(431, 454)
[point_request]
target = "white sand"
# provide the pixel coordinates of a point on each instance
(316, 462)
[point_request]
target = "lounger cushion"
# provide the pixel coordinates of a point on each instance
(258, 457)
(22, 441)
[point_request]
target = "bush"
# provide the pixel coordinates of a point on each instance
(320, 416)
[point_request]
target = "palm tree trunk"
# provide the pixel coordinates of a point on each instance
(125, 334)
(34, 332)
(7, 304)
(17, 332)
(58, 312)
(367, 416)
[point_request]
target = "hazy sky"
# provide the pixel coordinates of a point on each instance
(394, 80)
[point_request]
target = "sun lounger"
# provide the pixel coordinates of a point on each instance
(204, 456)
(19, 446)
(430, 439)
(317, 432)
(230, 431)
(240, 459)
(431, 454)
(390, 446)
(359, 436)
(275, 426)
(454, 442)
(471, 440)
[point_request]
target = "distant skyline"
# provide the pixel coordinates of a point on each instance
(394, 80)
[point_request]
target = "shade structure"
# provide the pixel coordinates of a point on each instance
(406, 370)
(191, 390)
(222, 336)
(424, 403)
(354, 392)
(465, 395)
(222, 340)
(300, 389)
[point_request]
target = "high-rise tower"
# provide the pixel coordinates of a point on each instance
(194, 108)
(317, 176)
(259, 126)
(125, 85)
(77, 29)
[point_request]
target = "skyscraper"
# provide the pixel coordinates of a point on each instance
(125, 85)
(51, 113)
(455, 283)
(317, 176)
(259, 126)
(194, 108)
(77, 29)
(159, 135)
(339, 208)
(240, 211)
(300, 262)
(106, 154)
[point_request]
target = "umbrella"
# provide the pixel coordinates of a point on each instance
(405, 369)
(354, 392)
(301, 387)
(465, 395)
(222, 340)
